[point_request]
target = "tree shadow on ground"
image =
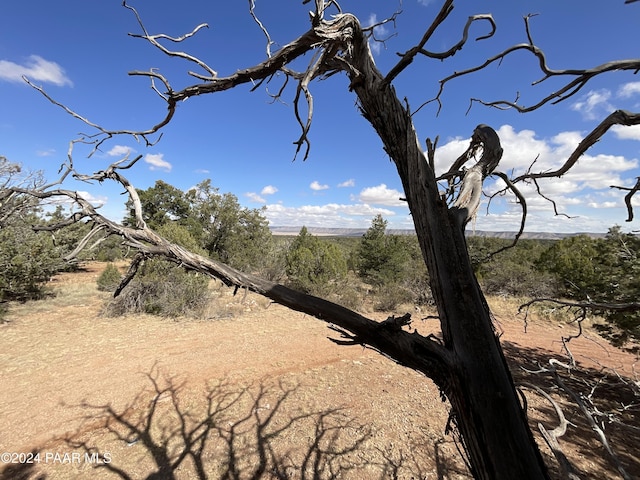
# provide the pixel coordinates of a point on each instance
(237, 432)
(613, 400)
(268, 431)
(233, 435)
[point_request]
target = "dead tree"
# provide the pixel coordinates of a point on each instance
(468, 363)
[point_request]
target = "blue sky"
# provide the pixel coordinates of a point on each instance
(80, 53)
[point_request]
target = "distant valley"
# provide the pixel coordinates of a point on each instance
(358, 232)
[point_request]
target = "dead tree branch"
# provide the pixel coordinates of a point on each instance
(582, 76)
(619, 117)
(408, 57)
(567, 470)
(627, 198)
(153, 40)
(586, 306)
(587, 413)
(468, 364)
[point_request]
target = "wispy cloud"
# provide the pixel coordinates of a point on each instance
(46, 153)
(317, 186)
(347, 183)
(254, 197)
(95, 200)
(268, 190)
(594, 104)
(631, 132)
(629, 89)
(156, 161)
(597, 104)
(332, 214)
(35, 68)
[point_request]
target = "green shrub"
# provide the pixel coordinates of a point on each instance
(382, 259)
(28, 260)
(109, 279)
(350, 297)
(162, 288)
(109, 250)
(389, 297)
(314, 266)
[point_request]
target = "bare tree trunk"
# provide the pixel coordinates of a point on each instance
(485, 403)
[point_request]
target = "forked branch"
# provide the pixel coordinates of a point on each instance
(419, 49)
(582, 76)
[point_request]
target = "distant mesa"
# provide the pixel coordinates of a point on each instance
(358, 232)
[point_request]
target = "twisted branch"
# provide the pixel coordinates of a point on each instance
(583, 76)
(445, 10)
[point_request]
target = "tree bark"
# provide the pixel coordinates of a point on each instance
(482, 393)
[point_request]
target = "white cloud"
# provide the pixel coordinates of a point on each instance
(347, 183)
(35, 68)
(157, 162)
(594, 104)
(257, 198)
(382, 195)
(603, 204)
(96, 201)
(357, 215)
(254, 197)
(120, 151)
(629, 89)
(448, 153)
(315, 185)
(631, 132)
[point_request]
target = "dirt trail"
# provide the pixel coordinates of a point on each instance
(56, 359)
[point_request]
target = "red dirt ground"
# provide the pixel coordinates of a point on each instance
(262, 388)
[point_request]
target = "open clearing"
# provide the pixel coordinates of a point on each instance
(257, 393)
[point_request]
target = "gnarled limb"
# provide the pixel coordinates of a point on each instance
(582, 76)
(627, 198)
(619, 117)
(447, 7)
(587, 412)
(468, 201)
(567, 471)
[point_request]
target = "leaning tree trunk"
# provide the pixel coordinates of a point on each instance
(485, 403)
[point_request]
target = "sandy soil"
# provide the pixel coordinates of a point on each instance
(259, 394)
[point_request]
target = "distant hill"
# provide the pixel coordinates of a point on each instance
(358, 232)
